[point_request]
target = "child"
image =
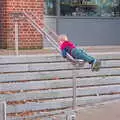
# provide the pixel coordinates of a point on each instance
(67, 46)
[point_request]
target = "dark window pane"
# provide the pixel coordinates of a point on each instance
(103, 8)
(65, 8)
(50, 7)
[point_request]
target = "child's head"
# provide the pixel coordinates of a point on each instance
(62, 38)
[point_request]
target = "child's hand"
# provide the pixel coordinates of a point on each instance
(74, 62)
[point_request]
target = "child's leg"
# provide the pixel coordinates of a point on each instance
(80, 54)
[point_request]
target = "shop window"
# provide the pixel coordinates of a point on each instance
(90, 8)
(50, 7)
(94, 8)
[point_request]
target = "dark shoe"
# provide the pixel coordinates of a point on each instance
(95, 66)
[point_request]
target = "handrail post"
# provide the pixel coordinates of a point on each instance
(16, 17)
(74, 82)
(16, 37)
(72, 115)
(77, 65)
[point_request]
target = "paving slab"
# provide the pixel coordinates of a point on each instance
(103, 111)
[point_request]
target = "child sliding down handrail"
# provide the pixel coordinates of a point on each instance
(50, 35)
(64, 46)
(53, 38)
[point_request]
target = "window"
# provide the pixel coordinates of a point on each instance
(102, 8)
(90, 8)
(50, 7)
(78, 7)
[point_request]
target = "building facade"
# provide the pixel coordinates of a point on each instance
(28, 36)
(86, 22)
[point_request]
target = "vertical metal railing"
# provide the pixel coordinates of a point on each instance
(16, 37)
(16, 43)
(74, 82)
(16, 18)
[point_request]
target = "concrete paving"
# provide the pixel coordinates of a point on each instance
(104, 111)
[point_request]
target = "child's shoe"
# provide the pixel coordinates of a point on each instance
(95, 66)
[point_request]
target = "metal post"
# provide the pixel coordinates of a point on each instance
(17, 16)
(58, 16)
(74, 87)
(2, 110)
(16, 37)
(72, 115)
(80, 63)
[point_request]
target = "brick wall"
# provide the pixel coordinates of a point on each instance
(2, 25)
(28, 36)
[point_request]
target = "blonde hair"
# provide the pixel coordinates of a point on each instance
(62, 37)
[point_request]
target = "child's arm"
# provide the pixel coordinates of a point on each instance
(78, 62)
(68, 57)
(64, 53)
(71, 59)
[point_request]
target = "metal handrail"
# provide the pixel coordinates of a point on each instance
(48, 37)
(46, 26)
(40, 29)
(55, 44)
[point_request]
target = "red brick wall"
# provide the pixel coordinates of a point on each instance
(2, 24)
(28, 36)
